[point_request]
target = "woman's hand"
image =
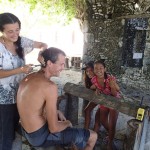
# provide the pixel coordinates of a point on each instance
(97, 92)
(40, 45)
(41, 59)
(113, 84)
(26, 69)
(43, 46)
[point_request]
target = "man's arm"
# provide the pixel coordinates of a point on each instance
(51, 110)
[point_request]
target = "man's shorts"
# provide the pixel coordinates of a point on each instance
(67, 137)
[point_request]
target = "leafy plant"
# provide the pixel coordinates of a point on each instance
(57, 11)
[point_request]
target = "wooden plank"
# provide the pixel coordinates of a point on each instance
(122, 105)
(72, 109)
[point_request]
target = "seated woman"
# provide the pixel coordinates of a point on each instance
(88, 74)
(106, 84)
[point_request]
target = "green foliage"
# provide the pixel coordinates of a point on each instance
(58, 11)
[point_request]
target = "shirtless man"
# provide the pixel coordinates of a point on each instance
(42, 124)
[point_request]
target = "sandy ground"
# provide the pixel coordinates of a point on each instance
(68, 75)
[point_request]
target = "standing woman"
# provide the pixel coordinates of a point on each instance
(13, 49)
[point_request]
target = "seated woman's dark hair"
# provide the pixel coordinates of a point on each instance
(101, 61)
(87, 80)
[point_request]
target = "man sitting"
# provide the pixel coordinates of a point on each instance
(42, 124)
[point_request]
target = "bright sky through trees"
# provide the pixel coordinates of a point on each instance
(42, 27)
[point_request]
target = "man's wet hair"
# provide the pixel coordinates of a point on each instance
(51, 54)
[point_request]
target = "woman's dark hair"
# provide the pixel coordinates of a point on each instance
(51, 54)
(8, 18)
(102, 63)
(87, 80)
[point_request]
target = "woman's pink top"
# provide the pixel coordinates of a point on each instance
(107, 89)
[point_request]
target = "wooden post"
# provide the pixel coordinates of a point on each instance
(77, 62)
(67, 63)
(62, 104)
(132, 127)
(72, 61)
(72, 109)
(122, 105)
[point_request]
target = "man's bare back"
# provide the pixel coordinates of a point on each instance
(30, 106)
(37, 101)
